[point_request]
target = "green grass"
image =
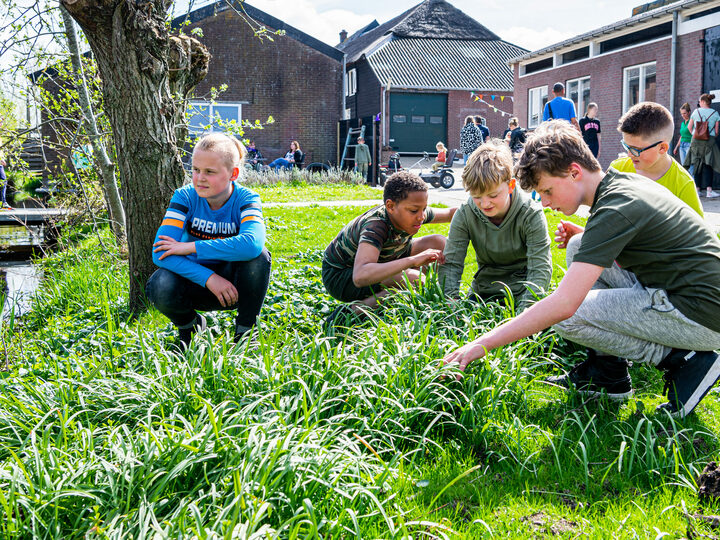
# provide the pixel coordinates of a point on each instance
(107, 430)
(304, 193)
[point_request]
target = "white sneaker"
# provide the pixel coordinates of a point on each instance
(712, 194)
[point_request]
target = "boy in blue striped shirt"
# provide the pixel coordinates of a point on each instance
(210, 244)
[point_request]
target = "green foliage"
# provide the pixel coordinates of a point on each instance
(107, 429)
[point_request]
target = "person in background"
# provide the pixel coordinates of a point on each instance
(590, 129)
(560, 107)
(470, 137)
(480, 123)
(441, 157)
(3, 179)
(254, 158)
(683, 144)
(515, 136)
(362, 157)
(293, 156)
(704, 155)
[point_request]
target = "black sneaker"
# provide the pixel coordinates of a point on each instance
(689, 375)
(597, 375)
(241, 331)
(186, 334)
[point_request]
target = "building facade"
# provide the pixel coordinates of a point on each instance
(667, 52)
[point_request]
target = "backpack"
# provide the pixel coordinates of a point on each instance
(702, 129)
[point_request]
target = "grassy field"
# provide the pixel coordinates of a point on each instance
(107, 430)
(301, 193)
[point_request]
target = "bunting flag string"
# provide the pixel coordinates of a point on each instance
(480, 97)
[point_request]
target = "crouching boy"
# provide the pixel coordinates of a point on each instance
(376, 250)
(508, 232)
(643, 284)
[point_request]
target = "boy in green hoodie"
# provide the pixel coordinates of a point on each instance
(507, 229)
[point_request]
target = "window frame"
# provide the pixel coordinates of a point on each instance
(642, 68)
(351, 82)
(579, 111)
(543, 92)
(211, 105)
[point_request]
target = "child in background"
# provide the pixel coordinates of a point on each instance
(590, 129)
(441, 157)
(209, 246)
(376, 250)
(507, 230)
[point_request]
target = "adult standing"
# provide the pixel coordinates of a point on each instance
(560, 107)
(470, 137)
(590, 129)
(683, 144)
(704, 155)
(480, 123)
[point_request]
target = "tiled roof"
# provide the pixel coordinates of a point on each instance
(445, 64)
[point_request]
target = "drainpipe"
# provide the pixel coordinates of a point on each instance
(673, 61)
(344, 87)
(382, 116)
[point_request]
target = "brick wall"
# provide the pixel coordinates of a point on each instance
(461, 104)
(606, 81)
(296, 84)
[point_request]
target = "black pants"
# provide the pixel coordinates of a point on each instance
(178, 298)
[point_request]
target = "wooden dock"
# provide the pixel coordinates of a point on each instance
(29, 216)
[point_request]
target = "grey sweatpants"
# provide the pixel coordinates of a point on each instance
(621, 317)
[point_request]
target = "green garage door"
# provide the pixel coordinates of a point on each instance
(417, 121)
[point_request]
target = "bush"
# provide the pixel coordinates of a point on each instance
(297, 177)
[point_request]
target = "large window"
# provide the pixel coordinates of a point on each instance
(203, 116)
(537, 98)
(639, 84)
(578, 90)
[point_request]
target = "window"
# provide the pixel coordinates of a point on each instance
(577, 54)
(436, 119)
(351, 82)
(203, 116)
(638, 84)
(537, 98)
(539, 65)
(399, 118)
(641, 36)
(578, 90)
(417, 119)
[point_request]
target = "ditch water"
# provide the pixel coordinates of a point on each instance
(19, 278)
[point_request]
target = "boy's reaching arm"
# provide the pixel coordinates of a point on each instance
(560, 305)
(368, 271)
(443, 215)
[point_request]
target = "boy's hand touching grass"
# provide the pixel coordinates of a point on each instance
(465, 355)
(428, 256)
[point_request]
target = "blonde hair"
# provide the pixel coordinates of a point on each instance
(440, 146)
(232, 151)
(488, 166)
(551, 149)
(514, 121)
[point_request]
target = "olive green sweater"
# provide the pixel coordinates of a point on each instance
(515, 253)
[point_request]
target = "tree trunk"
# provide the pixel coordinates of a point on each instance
(116, 212)
(132, 48)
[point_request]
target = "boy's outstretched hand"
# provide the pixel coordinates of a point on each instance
(565, 231)
(428, 256)
(465, 355)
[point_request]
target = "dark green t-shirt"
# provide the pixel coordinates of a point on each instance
(650, 232)
(375, 228)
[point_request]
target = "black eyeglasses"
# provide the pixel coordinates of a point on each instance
(637, 151)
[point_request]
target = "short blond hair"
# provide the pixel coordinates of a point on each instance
(232, 152)
(488, 166)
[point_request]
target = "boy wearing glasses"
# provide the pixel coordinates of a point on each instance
(647, 129)
(643, 283)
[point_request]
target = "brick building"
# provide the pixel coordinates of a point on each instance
(417, 72)
(294, 78)
(667, 52)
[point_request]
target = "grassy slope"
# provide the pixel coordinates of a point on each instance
(105, 429)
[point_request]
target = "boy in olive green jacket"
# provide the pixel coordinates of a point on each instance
(508, 232)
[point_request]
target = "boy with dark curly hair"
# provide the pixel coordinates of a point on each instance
(376, 250)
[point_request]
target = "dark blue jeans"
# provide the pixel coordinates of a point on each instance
(178, 298)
